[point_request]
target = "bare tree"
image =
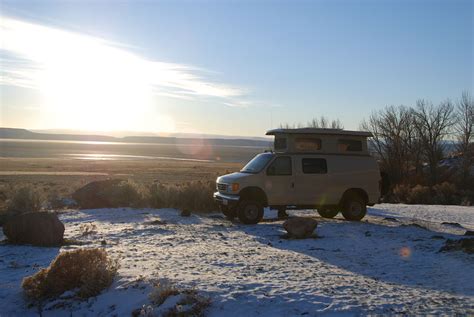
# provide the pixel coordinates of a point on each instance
(393, 141)
(464, 129)
(433, 124)
(324, 123)
(321, 122)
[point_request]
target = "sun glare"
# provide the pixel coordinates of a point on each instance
(89, 83)
(100, 94)
(83, 81)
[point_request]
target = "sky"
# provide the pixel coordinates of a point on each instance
(226, 67)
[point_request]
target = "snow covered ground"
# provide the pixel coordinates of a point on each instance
(387, 264)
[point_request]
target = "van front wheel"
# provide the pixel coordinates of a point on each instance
(250, 212)
(354, 208)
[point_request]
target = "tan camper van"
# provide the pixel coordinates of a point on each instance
(326, 169)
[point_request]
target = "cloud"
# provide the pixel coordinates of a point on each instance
(36, 56)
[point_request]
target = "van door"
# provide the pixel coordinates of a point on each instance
(279, 181)
(311, 186)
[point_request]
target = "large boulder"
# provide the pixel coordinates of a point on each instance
(109, 193)
(36, 228)
(299, 227)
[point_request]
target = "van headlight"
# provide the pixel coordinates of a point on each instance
(235, 187)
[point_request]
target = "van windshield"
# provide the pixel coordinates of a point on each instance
(257, 163)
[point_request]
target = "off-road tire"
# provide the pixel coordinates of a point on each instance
(328, 213)
(354, 207)
(250, 212)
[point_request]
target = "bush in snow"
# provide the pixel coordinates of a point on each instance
(195, 196)
(420, 195)
(446, 194)
(25, 199)
(88, 270)
(161, 291)
(169, 301)
(440, 194)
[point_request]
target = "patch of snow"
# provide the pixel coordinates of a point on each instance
(354, 268)
(431, 213)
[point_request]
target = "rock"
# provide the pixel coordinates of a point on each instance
(299, 227)
(453, 224)
(414, 225)
(185, 213)
(466, 245)
(97, 194)
(36, 228)
(469, 233)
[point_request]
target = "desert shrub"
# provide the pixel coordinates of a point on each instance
(420, 195)
(446, 194)
(195, 196)
(25, 199)
(161, 291)
(400, 194)
(127, 193)
(443, 194)
(467, 197)
(188, 302)
(88, 229)
(88, 270)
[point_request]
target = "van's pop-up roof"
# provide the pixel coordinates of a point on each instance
(323, 141)
(319, 131)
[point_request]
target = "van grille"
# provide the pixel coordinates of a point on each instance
(222, 187)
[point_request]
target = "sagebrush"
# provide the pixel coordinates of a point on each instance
(189, 302)
(25, 199)
(195, 196)
(88, 270)
(440, 194)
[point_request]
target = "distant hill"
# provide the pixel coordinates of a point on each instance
(12, 133)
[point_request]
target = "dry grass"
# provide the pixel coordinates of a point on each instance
(190, 303)
(88, 270)
(161, 291)
(127, 193)
(25, 199)
(441, 194)
(88, 229)
(195, 196)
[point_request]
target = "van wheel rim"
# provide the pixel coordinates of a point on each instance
(355, 208)
(251, 212)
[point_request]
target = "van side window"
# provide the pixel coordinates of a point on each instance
(280, 143)
(280, 166)
(349, 145)
(314, 166)
(308, 144)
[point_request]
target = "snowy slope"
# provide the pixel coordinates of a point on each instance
(382, 266)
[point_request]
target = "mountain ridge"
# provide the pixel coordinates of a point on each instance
(22, 134)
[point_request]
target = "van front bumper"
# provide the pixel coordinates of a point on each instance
(226, 200)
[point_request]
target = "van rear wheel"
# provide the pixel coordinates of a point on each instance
(354, 208)
(328, 213)
(250, 212)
